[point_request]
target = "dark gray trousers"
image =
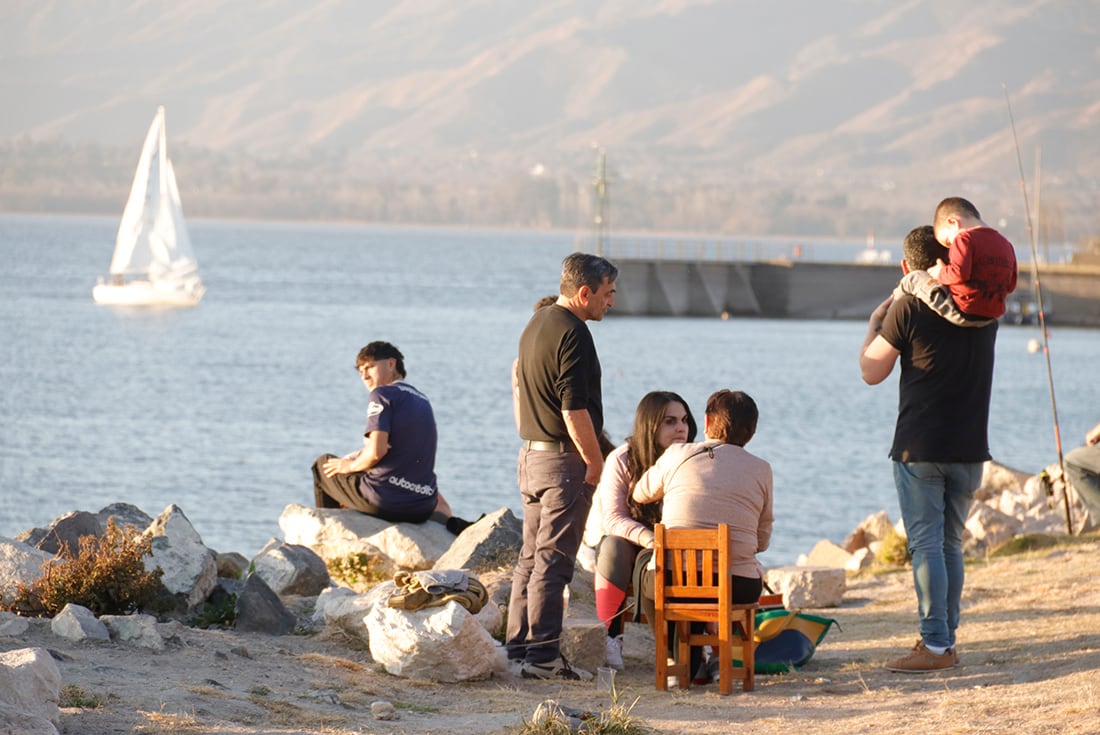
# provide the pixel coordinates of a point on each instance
(556, 501)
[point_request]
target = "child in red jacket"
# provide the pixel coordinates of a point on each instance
(982, 269)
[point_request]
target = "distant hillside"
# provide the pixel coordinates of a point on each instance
(785, 116)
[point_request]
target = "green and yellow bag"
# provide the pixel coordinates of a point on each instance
(785, 640)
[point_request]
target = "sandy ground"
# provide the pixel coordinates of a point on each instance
(1029, 645)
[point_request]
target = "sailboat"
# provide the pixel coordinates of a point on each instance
(153, 262)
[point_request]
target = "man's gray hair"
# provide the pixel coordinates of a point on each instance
(584, 269)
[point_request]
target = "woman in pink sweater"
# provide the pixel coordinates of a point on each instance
(618, 526)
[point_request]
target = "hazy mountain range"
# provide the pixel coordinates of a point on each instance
(737, 116)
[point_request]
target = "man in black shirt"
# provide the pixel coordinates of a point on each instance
(560, 420)
(940, 443)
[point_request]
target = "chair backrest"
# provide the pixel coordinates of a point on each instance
(692, 568)
(692, 583)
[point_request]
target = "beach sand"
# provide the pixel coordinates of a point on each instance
(1029, 648)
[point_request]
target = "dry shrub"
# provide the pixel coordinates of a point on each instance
(285, 715)
(894, 551)
(106, 575)
(320, 659)
(550, 718)
(168, 723)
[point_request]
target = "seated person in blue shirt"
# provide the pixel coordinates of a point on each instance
(393, 475)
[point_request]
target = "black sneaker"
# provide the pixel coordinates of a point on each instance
(457, 525)
(559, 668)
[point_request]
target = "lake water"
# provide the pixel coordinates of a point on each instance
(221, 409)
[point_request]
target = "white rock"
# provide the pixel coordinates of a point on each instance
(30, 683)
(13, 626)
(1035, 492)
(808, 587)
(860, 560)
(877, 525)
(584, 642)
(190, 570)
(337, 534)
(172, 522)
(445, 643)
(998, 478)
(140, 629)
(586, 558)
(77, 623)
(14, 721)
(346, 610)
(491, 617)
(329, 601)
(1009, 503)
(872, 528)
(826, 554)
(291, 569)
(19, 563)
(989, 528)
(1044, 523)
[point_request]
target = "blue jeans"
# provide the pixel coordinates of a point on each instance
(935, 500)
(556, 501)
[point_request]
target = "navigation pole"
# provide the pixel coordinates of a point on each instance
(600, 184)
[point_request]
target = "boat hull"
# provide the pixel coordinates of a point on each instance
(150, 293)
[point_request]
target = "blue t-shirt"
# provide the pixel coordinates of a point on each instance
(404, 480)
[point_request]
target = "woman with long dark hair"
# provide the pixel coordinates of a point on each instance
(662, 418)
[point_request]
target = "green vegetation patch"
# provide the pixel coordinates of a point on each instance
(74, 696)
(1039, 541)
(359, 571)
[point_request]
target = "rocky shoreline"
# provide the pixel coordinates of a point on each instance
(310, 641)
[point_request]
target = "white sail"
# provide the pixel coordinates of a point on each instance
(152, 239)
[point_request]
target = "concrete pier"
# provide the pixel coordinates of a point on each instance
(818, 290)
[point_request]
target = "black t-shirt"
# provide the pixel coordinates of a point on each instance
(558, 370)
(945, 386)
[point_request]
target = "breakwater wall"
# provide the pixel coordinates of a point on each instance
(787, 288)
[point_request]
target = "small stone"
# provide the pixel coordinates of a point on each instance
(14, 627)
(383, 710)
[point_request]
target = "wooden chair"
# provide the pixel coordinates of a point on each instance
(692, 584)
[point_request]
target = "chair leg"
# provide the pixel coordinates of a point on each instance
(660, 636)
(683, 654)
(748, 650)
(725, 659)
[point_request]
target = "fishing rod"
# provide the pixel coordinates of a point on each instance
(1042, 315)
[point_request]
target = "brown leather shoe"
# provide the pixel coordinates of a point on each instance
(921, 661)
